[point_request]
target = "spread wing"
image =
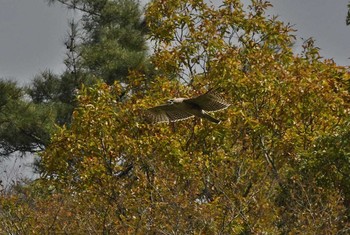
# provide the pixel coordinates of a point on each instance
(167, 113)
(211, 101)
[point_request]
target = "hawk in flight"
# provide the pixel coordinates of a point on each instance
(178, 109)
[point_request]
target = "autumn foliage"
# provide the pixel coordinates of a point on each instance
(277, 164)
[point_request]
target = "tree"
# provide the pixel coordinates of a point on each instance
(24, 126)
(113, 38)
(105, 44)
(109, 41)
(254, 173)
(348, 16)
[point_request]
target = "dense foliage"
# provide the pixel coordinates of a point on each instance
(277, 164)
(103, 44)
(24, 126)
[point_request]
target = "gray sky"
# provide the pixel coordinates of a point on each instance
(31, 38)
(32, 33)
(324, 20)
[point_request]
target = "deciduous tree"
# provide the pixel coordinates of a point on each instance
(256, 172)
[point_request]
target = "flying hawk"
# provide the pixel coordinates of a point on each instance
(178, 109)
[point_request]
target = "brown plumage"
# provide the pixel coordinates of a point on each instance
(178, 109)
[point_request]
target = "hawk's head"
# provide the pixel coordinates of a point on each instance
(175, 101)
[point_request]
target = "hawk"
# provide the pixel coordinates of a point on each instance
(178, 109)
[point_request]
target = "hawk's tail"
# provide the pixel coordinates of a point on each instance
(210, 118)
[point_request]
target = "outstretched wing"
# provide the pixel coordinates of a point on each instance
(166, 113)
(211, 101)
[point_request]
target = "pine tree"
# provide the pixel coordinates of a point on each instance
(110, 38)
(24, 125)
(105, 44)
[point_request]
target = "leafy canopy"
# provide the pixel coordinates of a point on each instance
(256, 172)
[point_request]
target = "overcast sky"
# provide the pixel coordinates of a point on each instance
(324, 20)
(32, 33)
(31, 38)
